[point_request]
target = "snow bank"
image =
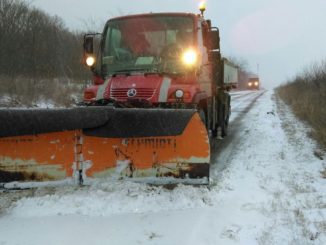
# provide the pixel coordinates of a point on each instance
(104, 198)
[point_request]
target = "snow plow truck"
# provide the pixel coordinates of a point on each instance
(157, 99)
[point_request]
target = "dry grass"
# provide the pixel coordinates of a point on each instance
(306, 95)
(29, 92)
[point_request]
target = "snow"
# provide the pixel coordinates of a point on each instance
(45, 104)
(266, 188)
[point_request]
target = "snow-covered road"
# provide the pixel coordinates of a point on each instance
(267, 188)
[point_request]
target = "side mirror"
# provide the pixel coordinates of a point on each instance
(88, 44)
(89, 58)
(214, 39)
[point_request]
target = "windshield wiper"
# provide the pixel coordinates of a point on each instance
(171, 73)
(147, 71)
(127, 71)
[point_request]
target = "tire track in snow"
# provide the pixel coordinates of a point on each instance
(223, 150)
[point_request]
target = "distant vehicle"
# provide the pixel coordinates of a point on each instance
(253, 83)
(230, 75)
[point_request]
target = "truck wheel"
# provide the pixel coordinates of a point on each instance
(215, 131)
(224, 123)
(202, 116)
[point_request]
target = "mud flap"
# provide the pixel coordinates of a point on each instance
(148, 144)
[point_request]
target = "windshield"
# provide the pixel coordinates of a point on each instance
(151, 44)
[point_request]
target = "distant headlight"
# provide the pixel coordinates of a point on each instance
(90, 61)
(189, 57)
(179, 94)
(249, 84)
(256, 83)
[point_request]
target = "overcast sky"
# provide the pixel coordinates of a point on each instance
(282, 36)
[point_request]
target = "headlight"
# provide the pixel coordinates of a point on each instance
(90, 61)
(249, 84)
(179, 93)
(189, 57)
(256, 83)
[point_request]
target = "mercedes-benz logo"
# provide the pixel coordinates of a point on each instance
(132, 92)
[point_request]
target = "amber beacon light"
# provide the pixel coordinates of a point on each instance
(202, 7)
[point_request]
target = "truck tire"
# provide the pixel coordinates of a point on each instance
(215, 131)
(202, 116)
(224, 125)
(226, 116)
(223, 121)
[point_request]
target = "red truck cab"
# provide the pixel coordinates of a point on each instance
(153, 59)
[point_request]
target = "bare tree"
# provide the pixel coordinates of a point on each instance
(36, 47)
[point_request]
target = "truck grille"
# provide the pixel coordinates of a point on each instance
(142, 93)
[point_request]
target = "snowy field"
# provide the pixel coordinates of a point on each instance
(267, 187)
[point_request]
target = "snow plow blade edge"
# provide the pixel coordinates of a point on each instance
(86, 142)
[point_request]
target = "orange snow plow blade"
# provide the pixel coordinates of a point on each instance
(148, 145)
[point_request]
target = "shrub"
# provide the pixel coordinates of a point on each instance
(306, 95)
